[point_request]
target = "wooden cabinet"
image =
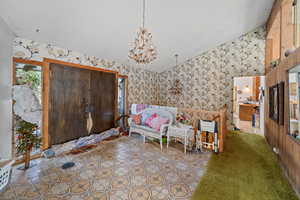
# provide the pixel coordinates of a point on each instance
(246, 111)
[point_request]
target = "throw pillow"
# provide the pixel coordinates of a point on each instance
(145, 116)
(136, 119)
(157, 122)
(149, 119)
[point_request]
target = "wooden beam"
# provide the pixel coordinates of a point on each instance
(45, 102)
(48, 60)
(25, 61)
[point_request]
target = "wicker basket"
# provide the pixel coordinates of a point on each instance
(5, 171)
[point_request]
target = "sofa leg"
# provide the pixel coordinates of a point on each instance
(144, 139)
(129, 133)
(161, 145)
(168, 140)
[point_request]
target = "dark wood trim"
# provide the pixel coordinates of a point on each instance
(48, 60)
(32, 62)
(122, 76)
(46, 78)
(274, 12)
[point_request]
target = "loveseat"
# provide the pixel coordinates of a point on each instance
(147, 131)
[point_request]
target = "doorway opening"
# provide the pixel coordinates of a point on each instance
(248, 104)
(122, 99)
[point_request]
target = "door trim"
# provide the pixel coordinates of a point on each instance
(31, 62)
(48, 60)
(126, 93)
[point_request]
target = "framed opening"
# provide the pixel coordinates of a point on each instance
(27, 102)
(293, 102)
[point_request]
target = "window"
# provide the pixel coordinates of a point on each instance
(296, 23)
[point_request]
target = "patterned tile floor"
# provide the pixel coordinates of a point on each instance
(123, 169)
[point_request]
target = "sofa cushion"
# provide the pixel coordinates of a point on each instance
(137, 119)
(145, 116)
(157, 122)
(149, 119)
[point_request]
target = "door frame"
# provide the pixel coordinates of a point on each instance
(31, 62)
(126, 93)
(46, 81)
(262, 105)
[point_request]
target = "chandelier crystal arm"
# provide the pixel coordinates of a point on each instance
(143, 50)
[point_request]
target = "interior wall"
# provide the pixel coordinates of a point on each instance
(208, 78)
(241, 83)
(6, 50)
(142, 84)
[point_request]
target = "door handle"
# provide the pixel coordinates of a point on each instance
(89, 108)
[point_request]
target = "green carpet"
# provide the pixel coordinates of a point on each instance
(246, 170)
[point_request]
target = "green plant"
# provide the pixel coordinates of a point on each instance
(31, 78)
(26, 139)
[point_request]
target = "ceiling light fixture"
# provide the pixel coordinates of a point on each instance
(177, 86)
(143, 50)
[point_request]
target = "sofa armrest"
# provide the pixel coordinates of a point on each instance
(164, 128)
(130, 121)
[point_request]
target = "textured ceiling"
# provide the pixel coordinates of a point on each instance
(105, 28)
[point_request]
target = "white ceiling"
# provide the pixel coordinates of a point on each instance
(105, 28)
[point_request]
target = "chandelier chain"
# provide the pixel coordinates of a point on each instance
(143, 51)
(144, 13)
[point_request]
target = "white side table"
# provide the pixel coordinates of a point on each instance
(180, 131)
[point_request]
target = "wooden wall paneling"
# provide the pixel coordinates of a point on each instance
(269, 54)
(274, 12)
(275, 34)
(277, 135)
(286, 29)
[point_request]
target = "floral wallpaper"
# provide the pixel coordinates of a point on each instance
(208, 78)
(142, 84)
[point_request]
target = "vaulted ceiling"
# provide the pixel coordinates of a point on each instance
(105, 28)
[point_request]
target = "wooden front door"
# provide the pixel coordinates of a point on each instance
(73, 93)
(104, 101)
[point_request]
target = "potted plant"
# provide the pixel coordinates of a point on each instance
(26, 140)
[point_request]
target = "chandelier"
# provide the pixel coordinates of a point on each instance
(143, 50)
(177, 86)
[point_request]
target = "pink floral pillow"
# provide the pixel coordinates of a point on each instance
(157, 122)
(148, 120)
